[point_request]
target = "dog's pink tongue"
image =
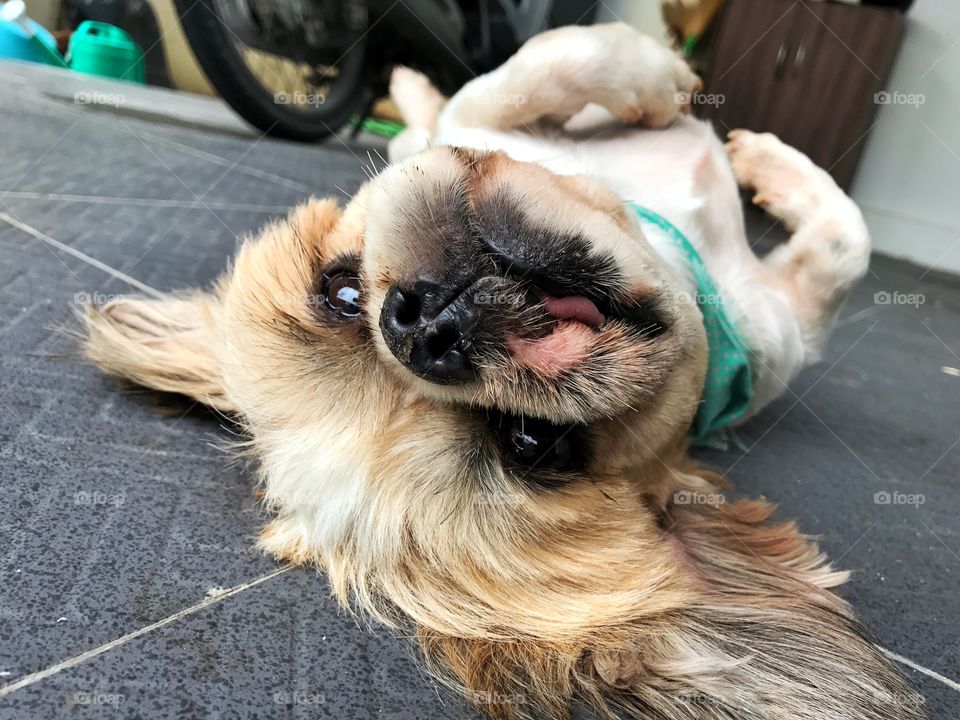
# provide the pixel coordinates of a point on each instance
(565, 348)
(574, 307)
(569, 344)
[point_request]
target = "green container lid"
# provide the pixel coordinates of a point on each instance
(102, 49)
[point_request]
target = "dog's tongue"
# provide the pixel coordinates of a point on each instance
(574, 307)
(568, 345)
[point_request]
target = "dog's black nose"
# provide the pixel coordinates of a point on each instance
(428, 334)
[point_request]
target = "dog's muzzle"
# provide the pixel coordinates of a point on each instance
(430, 334)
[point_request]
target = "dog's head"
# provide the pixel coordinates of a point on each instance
(469, 393)
(496, 284)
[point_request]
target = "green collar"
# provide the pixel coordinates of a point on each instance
(728, 386)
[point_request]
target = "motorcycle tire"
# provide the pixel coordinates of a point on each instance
(220, 58)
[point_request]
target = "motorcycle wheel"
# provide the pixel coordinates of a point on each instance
(271, 84)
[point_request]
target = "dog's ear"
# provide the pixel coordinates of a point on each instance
(166, 344)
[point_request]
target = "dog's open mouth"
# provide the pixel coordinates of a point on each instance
(565, 338)
(575, 308)
(551, 315)
(569, 326)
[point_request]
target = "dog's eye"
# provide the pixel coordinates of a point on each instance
(538, 444)
(341, 293)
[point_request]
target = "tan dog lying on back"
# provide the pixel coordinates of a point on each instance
(470, 393)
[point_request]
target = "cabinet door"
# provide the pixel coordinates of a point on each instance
(798, 111)
(750, 58)
(807, 74)
(851, 60)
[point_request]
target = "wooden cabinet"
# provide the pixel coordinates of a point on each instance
(807, 71)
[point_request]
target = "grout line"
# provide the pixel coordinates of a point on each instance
(123, 447)
(857, 316)
(94, 652)
(146, 202)
(953, 684)
(80, 255)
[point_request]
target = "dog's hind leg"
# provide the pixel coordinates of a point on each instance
(555, 74)
(419, 103)
(829, 248)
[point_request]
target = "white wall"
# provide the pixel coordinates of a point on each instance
(908, 183)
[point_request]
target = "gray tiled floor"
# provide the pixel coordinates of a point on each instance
(117, 516)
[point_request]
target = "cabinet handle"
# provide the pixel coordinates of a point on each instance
(800, 57)
(781, 60)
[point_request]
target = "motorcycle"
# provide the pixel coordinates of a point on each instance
(300, 69)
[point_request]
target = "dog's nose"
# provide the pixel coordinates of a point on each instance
(429, 336)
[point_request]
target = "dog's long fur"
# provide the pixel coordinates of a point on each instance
(530, 592)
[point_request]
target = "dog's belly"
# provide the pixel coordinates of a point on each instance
(589, 144)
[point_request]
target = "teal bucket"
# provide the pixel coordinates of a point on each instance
(106, 50)
(34, 44)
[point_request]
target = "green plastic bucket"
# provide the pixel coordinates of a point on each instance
(102, 49)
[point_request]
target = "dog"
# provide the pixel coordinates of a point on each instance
(471, 392)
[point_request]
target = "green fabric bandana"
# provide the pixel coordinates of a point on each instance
(728, 387)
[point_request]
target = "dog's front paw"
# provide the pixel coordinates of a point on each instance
(785, 182)
(651, 85)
